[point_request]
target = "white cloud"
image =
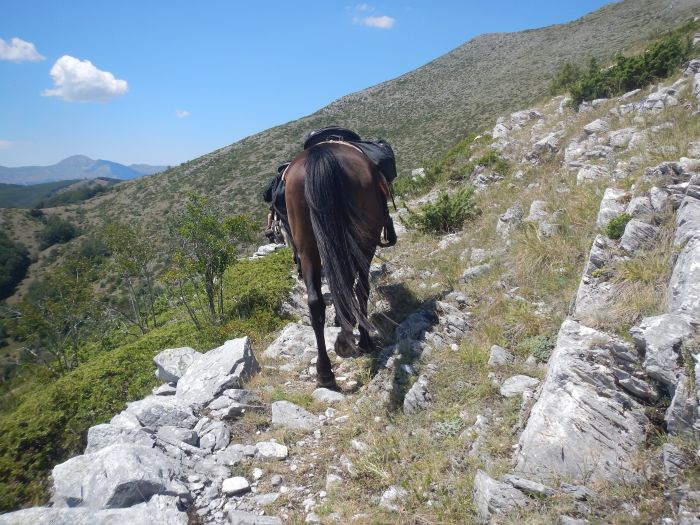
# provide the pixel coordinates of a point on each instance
(182, 113)
(78, 80)
(5, 144)
(381, 22)
(19, 51)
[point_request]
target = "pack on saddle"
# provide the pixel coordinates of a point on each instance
(378, 152)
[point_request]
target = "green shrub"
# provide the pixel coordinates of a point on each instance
(446, 214)
(626, 73)
(616, 227)
(56, 231)
(539, 346)
(14, 262)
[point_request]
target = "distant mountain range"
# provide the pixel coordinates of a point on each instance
(76, 167)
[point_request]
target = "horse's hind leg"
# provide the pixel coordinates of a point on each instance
(317, 311)
(366, 345)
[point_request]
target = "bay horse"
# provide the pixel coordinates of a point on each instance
(336, 216)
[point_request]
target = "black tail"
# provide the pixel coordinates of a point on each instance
(338, 233)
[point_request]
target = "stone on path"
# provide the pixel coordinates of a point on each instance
(271, 450)
(298, 340)
(289, 415)
(325, 395)
(155, 411)
(101, 436)
(235, 486)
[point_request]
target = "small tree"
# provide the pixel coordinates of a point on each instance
(53, 326)
(133, 258)
(206, 243)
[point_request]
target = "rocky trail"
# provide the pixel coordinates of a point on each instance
(231, 437)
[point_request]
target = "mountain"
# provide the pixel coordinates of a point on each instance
(75, 167)
(51, 194)
(422, 113)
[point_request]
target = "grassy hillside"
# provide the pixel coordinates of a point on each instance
(21, 196)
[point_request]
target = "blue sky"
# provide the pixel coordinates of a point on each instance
(161, 82)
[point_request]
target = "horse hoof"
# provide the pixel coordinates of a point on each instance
(328, 383)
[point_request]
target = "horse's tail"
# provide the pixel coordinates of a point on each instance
(338, 233)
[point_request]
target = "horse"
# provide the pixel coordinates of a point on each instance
(336, 215)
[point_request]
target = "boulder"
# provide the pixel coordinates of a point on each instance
(641, 208)
(159, 510)
(298, 341)
(116, 476)
(155, 411)
(583, 426)
(493, 497)
(173, 362)
(621, 138)
(638, 235)
(101, 436)
(684, 286)
(289, 415)
(659, 199)
(658, 338)
(224, 367)
(687, 221)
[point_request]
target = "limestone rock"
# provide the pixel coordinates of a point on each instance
(235, 486)
(224, 367)
(116, 476)
(175, 435)
(638, 235)
(233, 402)
(418, 397)
(597, 126)
(538, 211)
(330, 397)
(159, 510)
(213, 435)
(674, 460)
(289, 415)
(297, 340)
(156, 411)
(611, 206)
(101, 436)
(591, 173)
(641, 208)
(659, 338)
(510, 220)
(173, 362)
(684, 286)
(392, 497)
(580, 398)
(500, 356)
(493, 497)
(659, 199)
(621, 138)
(240, 517)
(527, 486)
(271, 450)
(683, 410)
(517, 385)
